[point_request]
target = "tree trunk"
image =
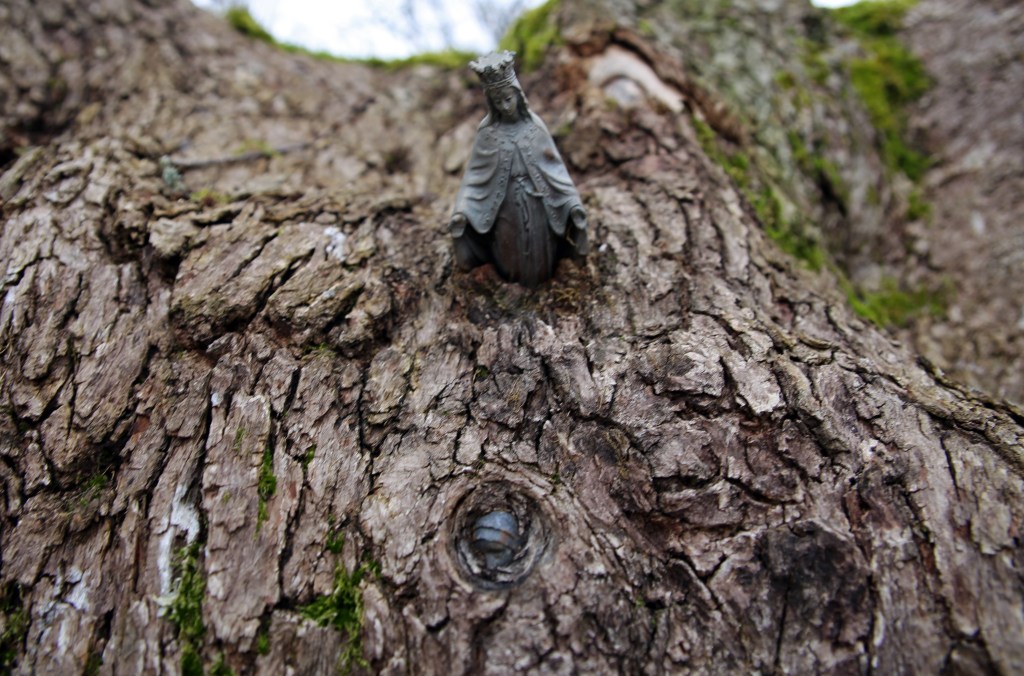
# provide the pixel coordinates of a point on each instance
(970, 120)
(252, 412)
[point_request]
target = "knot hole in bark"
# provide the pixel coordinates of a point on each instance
(498, 535)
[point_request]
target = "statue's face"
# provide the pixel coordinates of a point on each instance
(506, 101)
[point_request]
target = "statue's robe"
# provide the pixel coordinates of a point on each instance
(517, 197)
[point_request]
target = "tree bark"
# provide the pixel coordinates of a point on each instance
(970, 122)
(246, 390)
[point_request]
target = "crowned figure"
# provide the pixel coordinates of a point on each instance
(517, 207)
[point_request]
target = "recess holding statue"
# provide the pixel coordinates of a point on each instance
(517, 207)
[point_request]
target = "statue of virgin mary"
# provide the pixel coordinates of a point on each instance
(517, 207)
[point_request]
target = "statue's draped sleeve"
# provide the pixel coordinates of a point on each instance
(479, 195)
(487, 173)
(550, 177)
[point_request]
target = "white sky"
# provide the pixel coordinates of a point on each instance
(359, 28)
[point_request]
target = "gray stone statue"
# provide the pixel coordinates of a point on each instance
(517, 207)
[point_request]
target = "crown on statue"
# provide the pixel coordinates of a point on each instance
(496, 70)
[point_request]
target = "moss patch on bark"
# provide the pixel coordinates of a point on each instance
(532, 34)
(887, 77)
(343, 610)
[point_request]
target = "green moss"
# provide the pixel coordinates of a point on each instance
(827, 172)
(813, 61)
(735, 163)
(91, 489)
(263, 643)
(191, 662)
(320, 349)
(244, 22)
(266, 485)
(822, 169)
(449, 59)
(884, 90)
(768, 209)
(706, 136)
(335, 541)
(887, 78)
(791, 237)
(763, 200)
(785, 79)
(797, 244)
(96, 483)
(308, 457)
(92, 664)
(185, 610)
(800, 152)
(343, 610)
(14, 623)
(373, 567)
(532, 34)
(893, 306)
(874, 18)
(917, 208)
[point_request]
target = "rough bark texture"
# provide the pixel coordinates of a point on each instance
(244, 392)
(971, 122)
(777, 92)
(783, 101)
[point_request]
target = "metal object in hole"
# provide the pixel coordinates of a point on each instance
(496, 538)
(498, 533)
